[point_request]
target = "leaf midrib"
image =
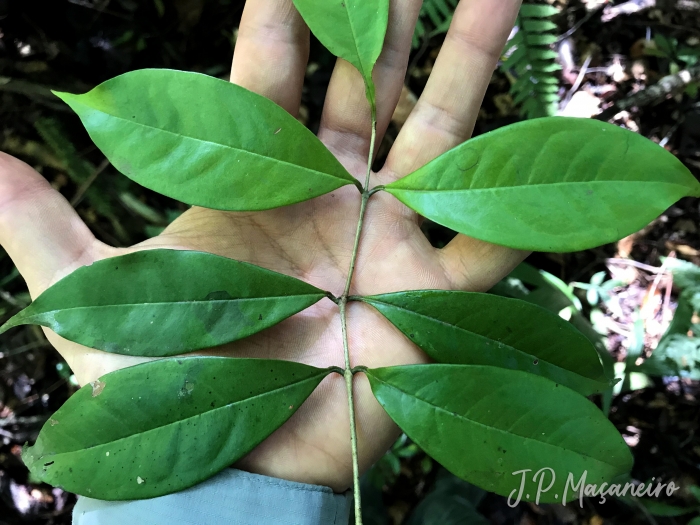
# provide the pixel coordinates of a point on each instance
(484, 337)
(348, 180)
(510, 433)
(354, 42)
(160, 303)
(389, 188)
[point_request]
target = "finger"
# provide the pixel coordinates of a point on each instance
(39, 229)
(446, 111)
(475, 266)
(444, 117)
(272, 51)
(345, 123)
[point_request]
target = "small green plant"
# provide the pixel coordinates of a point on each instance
(679, 56)
(506, 389)
(678, 351)
(530, 60)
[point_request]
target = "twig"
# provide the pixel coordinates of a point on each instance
(23, 348)
(655, 93)
(578, 24)
(101, 8)
(30, 420)
(626, 8)
(636, 264)
(579, 80)
(7, 297)
(80, 193)
(348, 373)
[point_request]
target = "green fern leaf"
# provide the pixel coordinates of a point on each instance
(434, 19)
(529, 57)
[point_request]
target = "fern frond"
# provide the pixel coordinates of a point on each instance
(434, 19)
(531, 60)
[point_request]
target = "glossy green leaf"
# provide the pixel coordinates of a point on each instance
(351, 29)
(166, 302)
(551, 184)
(166, 425)
(485, 423)
(484, 329)
(206, 141)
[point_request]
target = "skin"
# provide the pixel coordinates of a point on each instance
(312, 240)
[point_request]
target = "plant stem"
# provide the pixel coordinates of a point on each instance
(342, 303)
(371, 147)
(347, 374)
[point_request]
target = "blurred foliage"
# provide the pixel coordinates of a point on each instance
(678, 351)
(531, 62)
(434, 19)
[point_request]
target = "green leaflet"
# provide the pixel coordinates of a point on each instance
(163, 426)
(165, 302)
(484, 423)
(550, 184)
(206, 141)
(483, 329)
(351, 29)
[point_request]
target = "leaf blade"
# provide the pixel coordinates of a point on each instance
(538, 195)
(147, 303)
(484, 329)
(171, 437)
(450, 409)
(232, 150)
(353, 30)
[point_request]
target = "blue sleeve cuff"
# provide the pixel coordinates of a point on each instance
(232, 497)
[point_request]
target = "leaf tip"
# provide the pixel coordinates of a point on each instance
(8, 325)
(694, 188)
(62, 94)
(69, 98)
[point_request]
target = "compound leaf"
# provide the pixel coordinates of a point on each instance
(165, 302)
(486, 424)
(484, 329)
(353, 30)
(163, 426)
(551, 184)
(205, 141)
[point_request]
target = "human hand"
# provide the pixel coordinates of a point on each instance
(312, 241)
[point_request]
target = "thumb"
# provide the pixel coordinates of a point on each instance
(39, 229)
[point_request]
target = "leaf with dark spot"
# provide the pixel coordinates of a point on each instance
(144, 425)
(166, 302)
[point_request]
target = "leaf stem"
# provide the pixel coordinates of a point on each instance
(371, 146)
(342, 303)
(348, 375)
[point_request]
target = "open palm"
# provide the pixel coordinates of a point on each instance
(313, 240)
